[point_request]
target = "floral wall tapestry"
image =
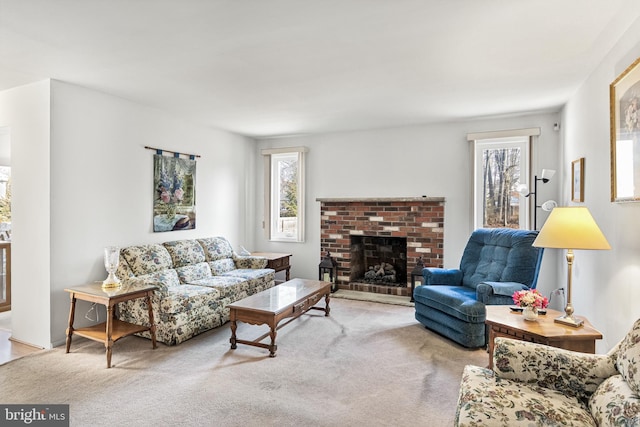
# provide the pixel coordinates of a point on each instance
(174, 201)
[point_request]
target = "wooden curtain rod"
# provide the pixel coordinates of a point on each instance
(175, 153)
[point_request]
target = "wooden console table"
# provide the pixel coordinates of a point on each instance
(112, 329)
(503, 322)
(277, 261)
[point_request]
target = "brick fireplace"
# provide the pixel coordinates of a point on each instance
(351, 229)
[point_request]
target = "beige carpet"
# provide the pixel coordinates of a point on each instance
(367, 364)
(373, 297)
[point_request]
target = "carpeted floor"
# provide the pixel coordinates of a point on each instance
(367, 364)
(373, 297)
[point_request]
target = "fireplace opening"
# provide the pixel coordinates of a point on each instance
(379, 260)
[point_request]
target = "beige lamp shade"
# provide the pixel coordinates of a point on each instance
(571, 227)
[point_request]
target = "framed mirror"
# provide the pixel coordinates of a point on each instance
(624, 94)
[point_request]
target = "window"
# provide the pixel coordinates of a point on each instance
(284, 191)
(501, 165)
(5, 196)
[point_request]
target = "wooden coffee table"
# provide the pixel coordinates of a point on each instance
(289, 299)
(502, 322)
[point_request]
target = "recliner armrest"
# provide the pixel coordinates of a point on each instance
(442, 276)
(498, 293)
(504, 288)
(570, 372)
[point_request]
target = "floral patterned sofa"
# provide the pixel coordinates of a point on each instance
(537, 385)
(196, 280)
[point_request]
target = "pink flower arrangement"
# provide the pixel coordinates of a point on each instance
(530, 298)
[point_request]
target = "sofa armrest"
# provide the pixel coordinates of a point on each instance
(161, 288)
(498, 293)
(570, 372)
(442, 276)
(250, 261)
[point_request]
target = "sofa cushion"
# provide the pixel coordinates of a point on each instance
(456, 301)
(234, 288)
(145, 259)
(185, 252)
(629, 358)
(190, 273)
(188, 297)
(615, 404)
(250, 273)
(222, 266)
(485, 399)
(216, 248)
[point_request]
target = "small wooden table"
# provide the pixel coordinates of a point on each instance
(288, 299)
(277, 261)
(112, 329)
(503, 322)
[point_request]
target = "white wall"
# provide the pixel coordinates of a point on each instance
(25, 111)
(101, 194)
(606, 284)
(432, 160)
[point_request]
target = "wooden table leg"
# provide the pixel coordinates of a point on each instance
(327, 298)
(72, 313)
(234, 326)
(152, 323)
(273, 347)
(108, 342)
(492, 337)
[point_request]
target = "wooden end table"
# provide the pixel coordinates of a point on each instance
(289, 299)
(112, 329)
(277, 261)
(503, 322)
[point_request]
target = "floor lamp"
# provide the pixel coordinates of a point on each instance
(546, 206)
(570, 228)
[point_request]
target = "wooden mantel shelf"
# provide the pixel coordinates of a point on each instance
(382, 199)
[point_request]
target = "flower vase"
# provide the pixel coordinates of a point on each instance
(171, 211)
(530, 313)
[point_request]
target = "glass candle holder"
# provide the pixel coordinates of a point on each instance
(111, 259)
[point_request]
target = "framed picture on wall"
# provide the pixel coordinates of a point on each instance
(577, 180)
(624, 100)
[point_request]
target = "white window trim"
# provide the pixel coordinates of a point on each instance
(476, 136)
(270, 202)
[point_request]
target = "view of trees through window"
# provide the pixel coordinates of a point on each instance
(501, 176)
(5, 194)
(285, 209)
(288, 188)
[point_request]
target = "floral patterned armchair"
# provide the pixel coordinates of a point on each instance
(537, 385)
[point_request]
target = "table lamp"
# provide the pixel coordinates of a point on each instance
(570, 228)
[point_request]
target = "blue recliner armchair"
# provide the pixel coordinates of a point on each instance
(496, 262)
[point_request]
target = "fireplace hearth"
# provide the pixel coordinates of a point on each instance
(376, 241)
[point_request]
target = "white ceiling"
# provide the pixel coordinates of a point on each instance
(265, 68)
